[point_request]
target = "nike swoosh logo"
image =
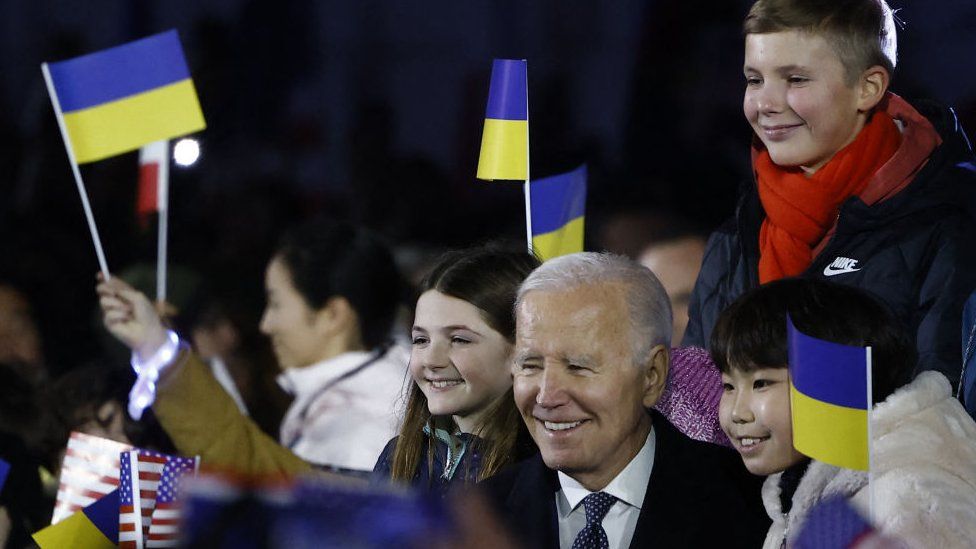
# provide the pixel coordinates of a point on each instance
(830, 270)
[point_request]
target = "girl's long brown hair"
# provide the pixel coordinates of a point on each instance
(487, 277)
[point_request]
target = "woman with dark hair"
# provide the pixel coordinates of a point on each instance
(461, 424)
(332, 294)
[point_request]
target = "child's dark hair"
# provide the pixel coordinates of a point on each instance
(487, 277)
(751, 333)
(484, 277)
(327, 258)
(78, 395)
(861, 32)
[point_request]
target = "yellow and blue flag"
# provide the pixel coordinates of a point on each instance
(558, 204)
(94, 527)
(505, 141)
(117, 100)
(829, 399)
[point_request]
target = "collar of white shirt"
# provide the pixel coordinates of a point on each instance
(306, 381)
(629, 487)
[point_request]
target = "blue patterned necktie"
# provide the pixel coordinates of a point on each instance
(593, 536)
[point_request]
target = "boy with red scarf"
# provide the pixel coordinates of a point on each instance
(851, 182)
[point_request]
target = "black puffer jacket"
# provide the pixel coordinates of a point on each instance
(916, 251)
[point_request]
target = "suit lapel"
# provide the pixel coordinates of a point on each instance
(664, 495)
(535, 516)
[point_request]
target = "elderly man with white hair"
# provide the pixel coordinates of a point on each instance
(591, 359)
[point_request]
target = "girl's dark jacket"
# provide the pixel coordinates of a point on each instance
(466, 472)
(916, 251)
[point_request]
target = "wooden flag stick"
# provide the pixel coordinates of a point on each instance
(74, 170)
(162, 205)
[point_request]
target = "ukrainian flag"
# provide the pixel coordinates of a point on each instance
(94, 527)
(829, 399)
(558, 204)
(505, 141)
(117, 100)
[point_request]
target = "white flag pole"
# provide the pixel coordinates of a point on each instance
(528, 215)
(74, 170)
(136, 498)
(528, 171)
(162, 204)
(871, 507)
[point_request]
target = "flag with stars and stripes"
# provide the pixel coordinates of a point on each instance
(89, 471)
(145, 479)
(163, 528)
(138, 480)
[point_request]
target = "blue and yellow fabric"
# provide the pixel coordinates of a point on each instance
(829, 399)
(558, 204)
(116, 100)
(94, 527)
(505, 141)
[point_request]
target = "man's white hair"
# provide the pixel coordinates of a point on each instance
(648, 304)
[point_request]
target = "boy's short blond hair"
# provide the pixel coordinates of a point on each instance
(861, 32)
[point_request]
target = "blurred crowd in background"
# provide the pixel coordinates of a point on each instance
(372, 112)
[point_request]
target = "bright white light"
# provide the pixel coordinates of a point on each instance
(186, 152)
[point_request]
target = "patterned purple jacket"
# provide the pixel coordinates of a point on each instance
(690, 400)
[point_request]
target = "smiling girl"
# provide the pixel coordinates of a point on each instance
(461, 424)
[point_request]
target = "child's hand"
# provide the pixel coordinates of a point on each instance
(130, 317)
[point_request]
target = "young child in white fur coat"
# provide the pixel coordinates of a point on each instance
(923, 442)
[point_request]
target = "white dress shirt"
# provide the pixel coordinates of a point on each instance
(629, 487)
(220, 372)
(347, 422)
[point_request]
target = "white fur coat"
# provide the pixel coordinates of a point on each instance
(924, 460)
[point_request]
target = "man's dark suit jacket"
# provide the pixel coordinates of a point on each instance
(699, 495)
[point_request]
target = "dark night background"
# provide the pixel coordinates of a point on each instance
(372, 111)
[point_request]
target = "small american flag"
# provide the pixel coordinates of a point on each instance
(146, 479)
(164, 529)
(138, 481)
(89, 471)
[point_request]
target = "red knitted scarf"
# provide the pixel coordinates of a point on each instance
(800, 209)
